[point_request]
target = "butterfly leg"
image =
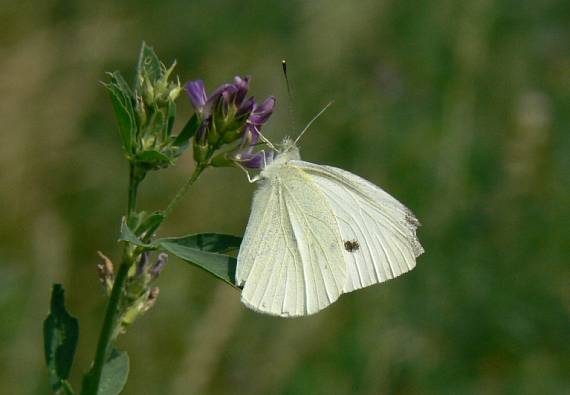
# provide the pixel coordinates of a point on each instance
(264, 159)
(249, 178)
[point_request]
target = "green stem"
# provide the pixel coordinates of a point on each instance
(92, 382)
(106, 337)
(134, 182)
(182, 191)
(109, 324)
(66, 388)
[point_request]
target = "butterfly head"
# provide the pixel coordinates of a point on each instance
(288, 150)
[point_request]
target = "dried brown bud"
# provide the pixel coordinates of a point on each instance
(105, 272)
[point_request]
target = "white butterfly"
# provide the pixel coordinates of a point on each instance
(316, 232)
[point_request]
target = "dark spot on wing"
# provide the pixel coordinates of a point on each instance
(351, 245)
(412, 220)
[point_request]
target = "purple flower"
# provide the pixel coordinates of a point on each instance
(228, 102)
(260, 114)
(219, 96)
(142, 263)
(159, 265)
(256, 160)
(245, 108)
(197, 92)
(242, 85)
(244, 154)
(228, 115)
(202, 132)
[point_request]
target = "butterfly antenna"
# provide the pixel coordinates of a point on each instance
(313, 120)
(290, 106)
(266, 141)
(284, 65)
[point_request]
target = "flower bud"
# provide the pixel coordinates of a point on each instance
(213, 135)
(164, 89)
(231, 136)
(175, 92)
(197, 93)
(200, 152)
(158, 266)
(148, 92)
(142, 264)
(151, 299)
(222, 160)
(140, 110)
(105, 273)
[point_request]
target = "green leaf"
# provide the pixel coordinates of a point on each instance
(61, 332)
(149, 225)
(123, 106)
(136, 219)
(207, 251)
(140, 227)
(157, 123)
(117, 79)
(153, 159)
(115, 373)
(148, 64)
(181, 142)
(128, 235)
(171, 117)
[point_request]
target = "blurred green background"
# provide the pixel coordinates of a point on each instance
(459, 109)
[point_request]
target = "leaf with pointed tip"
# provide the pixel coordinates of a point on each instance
(61, 332)
(153, 159)
(123, 106)
(115, 373)
(149, 225)
(117, 79)
(148, 64)
(129, 236)
(187, 132)
(209, 251)
(113, 376)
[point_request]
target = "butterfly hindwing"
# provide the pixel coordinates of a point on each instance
(383, 228)
(291, 261)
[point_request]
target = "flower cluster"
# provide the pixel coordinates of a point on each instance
(157, 90)
(140, 294)
(226, 117)
(146, 113)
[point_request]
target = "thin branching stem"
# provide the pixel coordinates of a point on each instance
(110, 323)
(182, 191)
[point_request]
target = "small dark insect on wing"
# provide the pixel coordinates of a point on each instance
(351, 245)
